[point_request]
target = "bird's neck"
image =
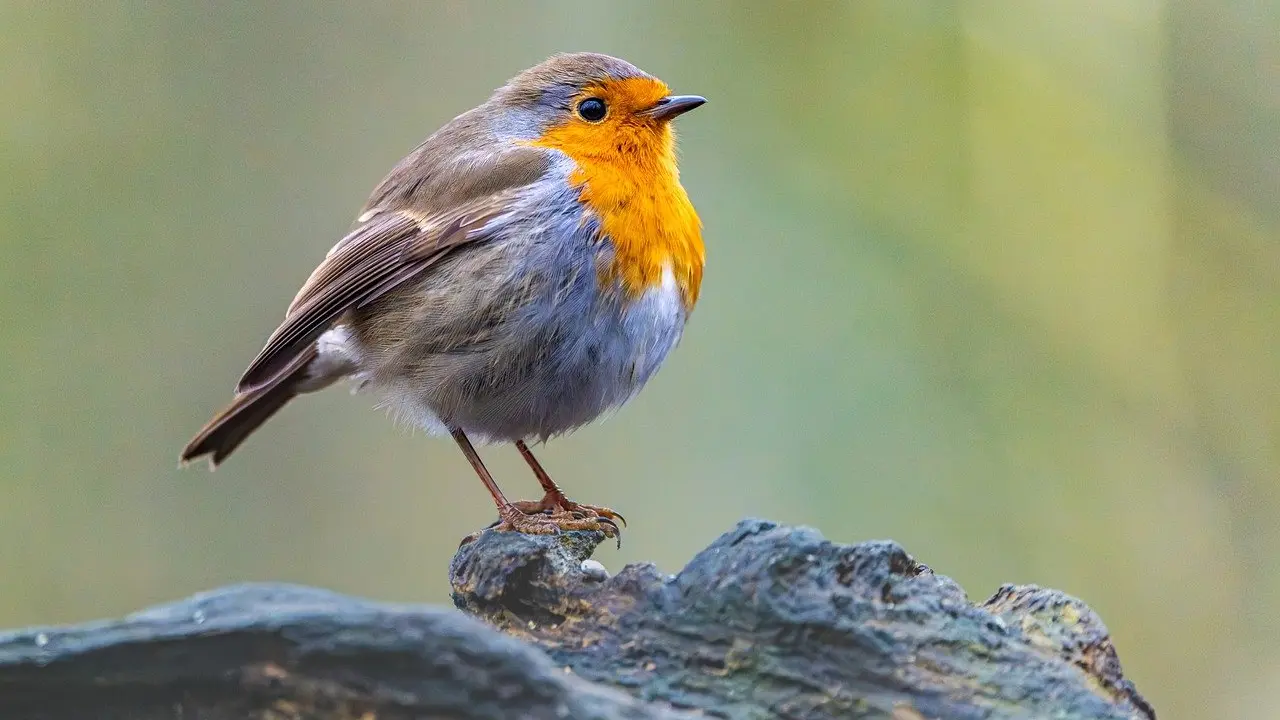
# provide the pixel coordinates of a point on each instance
(633, 187)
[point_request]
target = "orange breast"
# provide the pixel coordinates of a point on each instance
(627, 175)
(647, 215)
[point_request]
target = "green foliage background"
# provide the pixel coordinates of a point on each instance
(998, 280)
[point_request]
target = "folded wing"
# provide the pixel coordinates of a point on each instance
(388, 249)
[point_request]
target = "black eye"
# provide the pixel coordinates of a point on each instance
(592, 109)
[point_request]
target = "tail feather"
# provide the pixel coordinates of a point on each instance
(247, 412)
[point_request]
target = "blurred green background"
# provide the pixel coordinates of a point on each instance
(998, 280)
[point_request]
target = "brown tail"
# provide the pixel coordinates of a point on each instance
(224, 433)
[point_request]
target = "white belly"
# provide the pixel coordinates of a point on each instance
(592, 364)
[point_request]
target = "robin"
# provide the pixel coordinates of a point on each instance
(524, 270)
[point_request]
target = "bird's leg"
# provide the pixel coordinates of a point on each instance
(513, 518)
(553, 499)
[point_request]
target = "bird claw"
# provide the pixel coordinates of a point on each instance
(558, 504)
(541, 518)
(552, 515)
(532, 519)
(601, 512)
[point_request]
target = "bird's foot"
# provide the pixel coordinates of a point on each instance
(527, 517)
(548, 518)
(555, 503)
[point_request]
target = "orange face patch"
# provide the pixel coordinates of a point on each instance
(627, 175)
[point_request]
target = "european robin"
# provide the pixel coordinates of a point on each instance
(525, 269)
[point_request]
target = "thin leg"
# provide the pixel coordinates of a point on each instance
(548, 485)
(554, 499)
(512, 517)
(477, 464)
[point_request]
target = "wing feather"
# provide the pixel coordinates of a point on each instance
(389, 249)
(435, 199)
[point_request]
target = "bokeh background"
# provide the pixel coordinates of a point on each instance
(998, 280)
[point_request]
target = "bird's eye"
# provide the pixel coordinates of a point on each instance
(592, 109)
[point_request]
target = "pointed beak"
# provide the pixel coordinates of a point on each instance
(673, 105)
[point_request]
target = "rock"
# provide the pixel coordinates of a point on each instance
(767, 622)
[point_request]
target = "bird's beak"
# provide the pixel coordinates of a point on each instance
(672, 105)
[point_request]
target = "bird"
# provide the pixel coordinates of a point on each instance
(522, 272)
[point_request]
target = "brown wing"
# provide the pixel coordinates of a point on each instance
(439, 196)
(387, 249)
